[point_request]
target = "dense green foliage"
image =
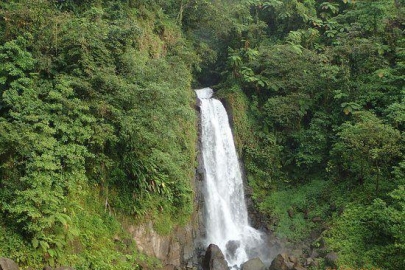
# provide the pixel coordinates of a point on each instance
(95, 108)
(97, 124)
(317, 89)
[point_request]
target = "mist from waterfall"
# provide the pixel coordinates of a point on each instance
(226, 221)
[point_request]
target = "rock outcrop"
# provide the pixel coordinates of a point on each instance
(285, 262)
(214, 259)
(8, 264)
(177, 249)
(331, 259)
(253, 264)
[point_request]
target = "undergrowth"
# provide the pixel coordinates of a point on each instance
(298, 210)
(97, 240)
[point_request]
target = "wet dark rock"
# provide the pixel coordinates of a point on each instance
(231, 247)
(284, 262)
(8, 264)
(253, 264)
(331, 259)
(279, 263)
(214, 259)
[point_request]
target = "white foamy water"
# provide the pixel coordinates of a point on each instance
(226, 213)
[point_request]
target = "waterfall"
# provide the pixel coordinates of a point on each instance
(226, 221)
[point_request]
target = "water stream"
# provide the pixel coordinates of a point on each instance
(226, 221)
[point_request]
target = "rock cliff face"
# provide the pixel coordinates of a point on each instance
(176, 249)
(179, 249)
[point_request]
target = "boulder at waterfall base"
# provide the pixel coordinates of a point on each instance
(253, 264)
(279, 263)
(284, 262)
(214, 259)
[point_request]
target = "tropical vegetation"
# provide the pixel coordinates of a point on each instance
(98, 126)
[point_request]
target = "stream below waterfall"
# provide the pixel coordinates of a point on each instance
(226, 217)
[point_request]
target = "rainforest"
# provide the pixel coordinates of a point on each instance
(99, 125)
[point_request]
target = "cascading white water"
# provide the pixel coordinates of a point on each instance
(226, 213)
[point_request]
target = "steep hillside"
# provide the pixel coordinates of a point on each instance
(97, 126)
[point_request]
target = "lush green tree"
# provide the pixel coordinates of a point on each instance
(43, 153)
(371, 236)
(367, 149)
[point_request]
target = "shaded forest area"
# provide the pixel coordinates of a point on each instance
(97, 125)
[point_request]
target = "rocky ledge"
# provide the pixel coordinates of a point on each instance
(215, 260)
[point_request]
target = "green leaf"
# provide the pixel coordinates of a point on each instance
(44, 245)
(35, 242)
(51, 252)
